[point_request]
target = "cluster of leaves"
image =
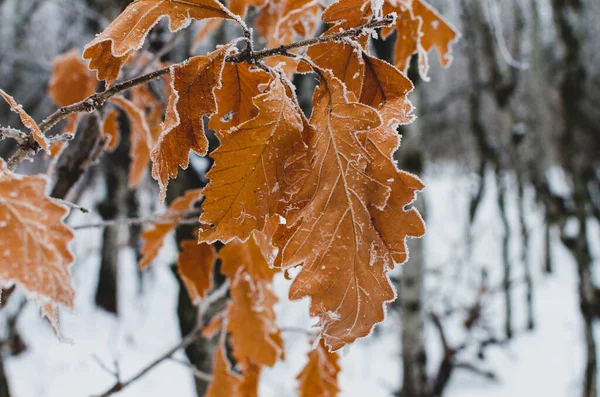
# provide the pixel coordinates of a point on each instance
(285, 191)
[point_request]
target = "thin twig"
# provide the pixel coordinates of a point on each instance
(190, 338)
(284, 49)
(185, 342)
(195, 371)
(72, 205)
(165, 218)
(17, 135)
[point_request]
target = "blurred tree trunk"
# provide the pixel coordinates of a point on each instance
(568, 17)
(201, 351)
(414, 358)
(4, 391)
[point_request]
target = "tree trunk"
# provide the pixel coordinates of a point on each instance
(200, 352)
(414, 358)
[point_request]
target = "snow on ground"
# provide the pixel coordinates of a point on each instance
(548, 361)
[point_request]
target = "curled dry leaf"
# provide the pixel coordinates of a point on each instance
(109, 51)
(345, 260)
(154, 236)
(34, 242)
(240, 83)
(319, 376)
(140, 137)
(420, 29)
(27, 121)
(192, 97)
(255, 336)
(195, 267)
(247, 178)
(224, 382)
(110, 128)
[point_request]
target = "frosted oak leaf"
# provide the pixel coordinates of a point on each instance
(34, 242)
(331, 233)
(109, 51)
(247, 178)
(192, 97)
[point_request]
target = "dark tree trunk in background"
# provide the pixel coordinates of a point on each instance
(201, 351)
(577, 130)
(115, 168)
(4, 391)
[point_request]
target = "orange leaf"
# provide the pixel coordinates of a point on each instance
(251, 322)
(192, 96)
(140, 137)
(249, 387)
(110, 50)
(247, 178)
(342, 58)
(247, 256)
(353, 12)
(27, 121)
(319, 376)
(224, 382)
(345, 261)
(110, 128)
(71, 81)
(386, 89)
(240, 84)
(195, 267)
(420, 28)
(34, 241)
(155, 235)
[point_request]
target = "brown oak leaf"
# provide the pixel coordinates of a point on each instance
(251, 322)
(247, 178)
(192, 97)
(319, 376)
(224, 382)
(247, 256)
(71, 80)
(345, 259)
(155, 235)
(195, 267)
(109, 51)
(241, 82)
(420, 29)
(110, 128)
(34, 242)
(343, 58)
(140, 137)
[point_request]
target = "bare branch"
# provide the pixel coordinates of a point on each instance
(164, 218)
(195, 371)
(17, 135)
